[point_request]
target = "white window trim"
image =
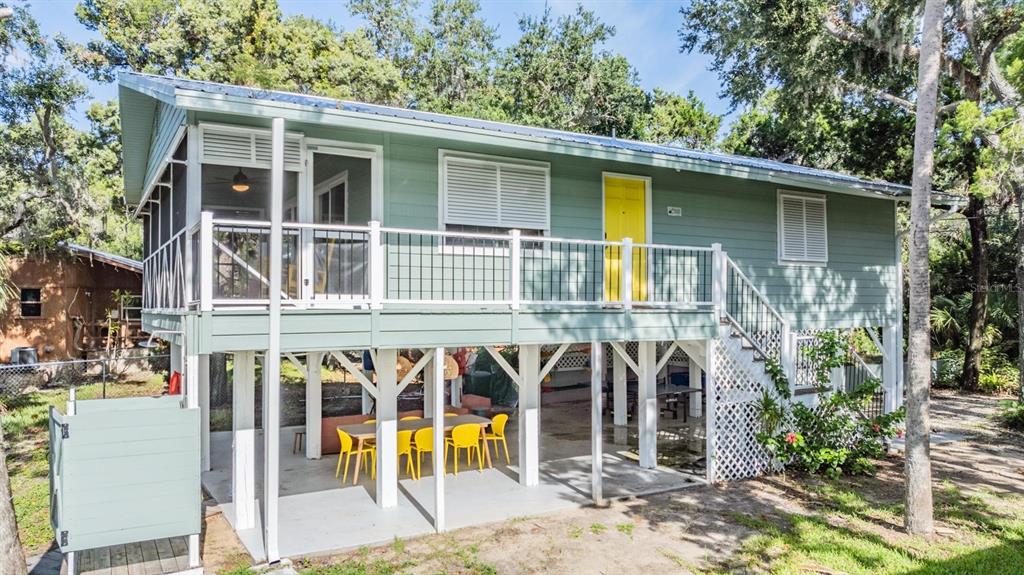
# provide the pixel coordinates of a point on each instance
(822, 198)
(442, 192)
(325, 187)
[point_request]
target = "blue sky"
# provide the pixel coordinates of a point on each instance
(646, 33)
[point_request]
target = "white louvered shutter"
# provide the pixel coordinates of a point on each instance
(471, 193)
(524, 197)
(247, 148)
(803, 233)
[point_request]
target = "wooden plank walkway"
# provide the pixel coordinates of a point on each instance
(156, 557)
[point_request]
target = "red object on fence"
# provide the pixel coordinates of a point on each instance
(174, 384)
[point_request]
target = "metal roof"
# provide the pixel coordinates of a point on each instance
(169, 86)
(105, 257)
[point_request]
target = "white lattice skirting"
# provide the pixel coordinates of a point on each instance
(738, 386)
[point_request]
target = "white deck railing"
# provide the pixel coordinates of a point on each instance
(372, 266)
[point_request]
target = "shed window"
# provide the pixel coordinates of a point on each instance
(500, 194)
(31, 302)
(803, 233)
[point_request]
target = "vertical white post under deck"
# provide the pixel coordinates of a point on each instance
(694, 383)
(596, 422)
(314, 400)
(647, 404)
(367, 400)
(387, 427)
(620, 411)
(272, 361)
(892, 367)
(429, 391)
(529, 415)
(436, 369)
(243, 448)
(204, 409)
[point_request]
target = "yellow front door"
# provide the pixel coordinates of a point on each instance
(625, 216)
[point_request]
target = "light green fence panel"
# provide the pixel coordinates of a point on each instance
(124, 470)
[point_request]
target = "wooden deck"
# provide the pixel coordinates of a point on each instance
(155, 557)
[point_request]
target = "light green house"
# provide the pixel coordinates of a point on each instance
(295, 227)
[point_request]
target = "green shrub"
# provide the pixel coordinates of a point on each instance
(1011, 414)
(999, 375)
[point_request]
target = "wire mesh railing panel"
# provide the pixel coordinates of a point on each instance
(752, 313)
(446, 267)
(677, 275)
(569, 272)
(341, 264)
(130, 375)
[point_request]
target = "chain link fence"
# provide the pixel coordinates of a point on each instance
(119, 376)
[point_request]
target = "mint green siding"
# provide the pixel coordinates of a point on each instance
(127, 471)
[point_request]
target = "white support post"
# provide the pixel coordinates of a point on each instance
(437, 414)
(428, 386)
(314, 403)
(386, 366)
(194, 561)
(596, 423)
(627, 273)
(694, 383)
(243, 429)
(892, 367)
(711, 429)
(515, 250)
(206, 261)
(272, 360)
(787, 353)
(647, 404)
(620, 411)
(719, 278)
(203, 379)
(193, 204)
(529, 415)
(367, 399)
(376, 266)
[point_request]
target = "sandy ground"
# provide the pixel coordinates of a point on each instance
(674, 532)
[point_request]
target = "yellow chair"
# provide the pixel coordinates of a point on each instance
(451, 415)
(465, 436)
(370, 421)
(405, 448)
(423, 442)
(348, 450)
(498, 435)
(410, 418)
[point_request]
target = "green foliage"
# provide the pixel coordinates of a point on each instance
(999, 376)
(682, 120)
(1011, 414)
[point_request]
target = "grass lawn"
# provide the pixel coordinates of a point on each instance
(25, 430)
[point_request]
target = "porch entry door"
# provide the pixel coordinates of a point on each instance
(337, 258)
(625, 216)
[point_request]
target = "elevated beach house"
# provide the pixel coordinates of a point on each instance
(287, 228)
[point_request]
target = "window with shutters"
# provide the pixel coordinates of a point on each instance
(803, 232)
(496, 194)
(246, 147)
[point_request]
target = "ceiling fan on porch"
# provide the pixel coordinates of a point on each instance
(240, 182)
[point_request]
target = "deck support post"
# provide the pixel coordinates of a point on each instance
(596, 423)
(647, 404)
(710, 423)
(386, 366)
(529, 415)
(436, 368)
(194, 560)
(272, 360)
(367, 399)
(243, 428)
(696, 406)
(314, 403)
(892, 366)
(620, 409)
(203, 380)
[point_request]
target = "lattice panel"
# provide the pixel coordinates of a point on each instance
(738, 386)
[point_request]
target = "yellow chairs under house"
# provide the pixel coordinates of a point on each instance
(410, 418)
(423, 442)
(348, 450)
(405, 448)
(497, 435)
(465, 436)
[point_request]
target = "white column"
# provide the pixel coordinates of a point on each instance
(620, 411)
(529, 415)
(367, 403)
(710, 423)
(429, 391)
(272, 361)
(647, 404)
(243, 447)
(176, 358)
(694, 383)
(314, 401)
(596, 422)
(387, 427)
(892, 367)
(203, 379)
(437, 414)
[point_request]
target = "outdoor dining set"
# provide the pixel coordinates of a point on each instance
(473, 434)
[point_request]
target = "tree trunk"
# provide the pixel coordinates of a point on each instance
(12, 560)
(1018, 192)
(978, 315)
(918, 518)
